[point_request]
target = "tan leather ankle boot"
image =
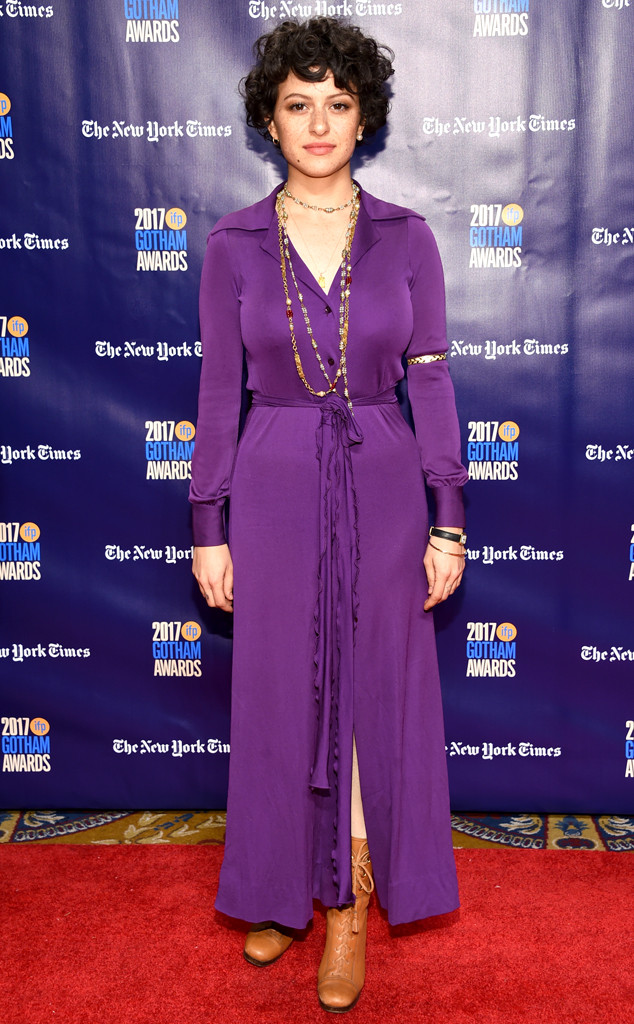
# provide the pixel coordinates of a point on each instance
(265, 944)
(342, 969)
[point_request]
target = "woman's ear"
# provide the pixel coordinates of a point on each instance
(273, 132)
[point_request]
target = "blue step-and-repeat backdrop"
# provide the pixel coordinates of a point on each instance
(121, 143)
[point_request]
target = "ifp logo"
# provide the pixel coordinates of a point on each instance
(176, 218)
(190, 631)
(512, 214)
(509, 430)
(18, 327)
(184, 430)
(506, 632)
(29, 532)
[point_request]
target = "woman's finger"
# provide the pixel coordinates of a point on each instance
(443, 576)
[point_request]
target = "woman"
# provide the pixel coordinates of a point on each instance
(336, 715)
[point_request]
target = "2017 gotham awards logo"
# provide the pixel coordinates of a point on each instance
(160, 238)
(19, 551)
(26, 745)
(6, 128)
(15, 352)
(500, 17)
(493, 450)
(169, 447)
(176, 648)
(151, 21)
(491, 649)
(495, 236)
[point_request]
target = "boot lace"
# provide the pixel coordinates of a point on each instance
(362, 881)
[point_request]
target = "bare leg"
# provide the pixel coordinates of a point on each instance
(357, 820)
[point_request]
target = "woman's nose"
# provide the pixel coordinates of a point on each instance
(319, 122)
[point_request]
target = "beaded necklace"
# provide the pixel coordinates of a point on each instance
(345, 280)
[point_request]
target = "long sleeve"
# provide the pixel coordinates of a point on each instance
(220, 392)
(430, 389)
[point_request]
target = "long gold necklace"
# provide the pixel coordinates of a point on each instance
(321, 274)
(345, 281)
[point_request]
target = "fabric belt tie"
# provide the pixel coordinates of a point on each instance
(335, 613)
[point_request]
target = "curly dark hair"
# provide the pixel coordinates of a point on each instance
(310, 50)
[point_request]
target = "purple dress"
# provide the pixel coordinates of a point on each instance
(327, 530)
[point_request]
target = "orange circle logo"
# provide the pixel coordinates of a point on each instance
(185, 430)
(512, 215)
(190, 631)
(39, 726)
(5, 104)
(176, 218)
(508, 431)
(18, 327)
(29, 532)
(506, 631)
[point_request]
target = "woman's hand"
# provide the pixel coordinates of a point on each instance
(444, 571)
(213, 569)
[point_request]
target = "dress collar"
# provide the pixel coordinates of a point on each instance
(262, 217)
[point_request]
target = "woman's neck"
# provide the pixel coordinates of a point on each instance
(330, 191)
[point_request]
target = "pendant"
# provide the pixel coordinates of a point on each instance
(321, 280)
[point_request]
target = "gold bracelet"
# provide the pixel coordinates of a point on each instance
(456, 554)
(427, 359)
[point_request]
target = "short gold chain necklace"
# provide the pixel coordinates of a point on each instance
(345, 281)
(318, 209)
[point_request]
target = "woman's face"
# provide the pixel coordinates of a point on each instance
(316, 125)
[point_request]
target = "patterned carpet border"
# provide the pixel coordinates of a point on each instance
(108, 828)
(544, 831)
(515, 831)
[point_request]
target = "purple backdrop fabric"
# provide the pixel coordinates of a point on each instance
(121, 144)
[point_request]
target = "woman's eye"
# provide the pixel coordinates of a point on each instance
(341, 106)
(297, 106)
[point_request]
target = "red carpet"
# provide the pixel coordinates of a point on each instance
(127, 935)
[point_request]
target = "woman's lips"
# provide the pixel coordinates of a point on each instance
(320, 149)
